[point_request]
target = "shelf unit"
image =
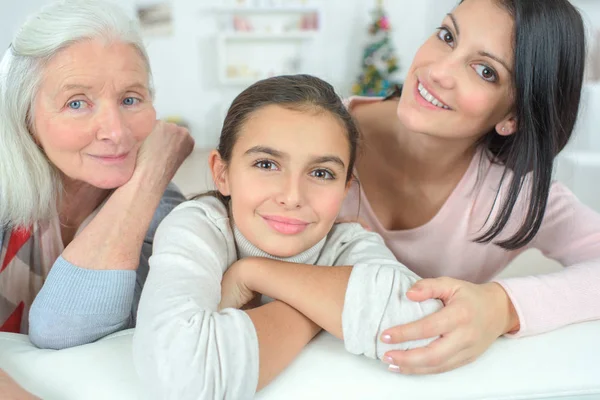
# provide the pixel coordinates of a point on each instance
(245, 56)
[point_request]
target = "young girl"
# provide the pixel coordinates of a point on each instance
(283, 167)
(461, 162)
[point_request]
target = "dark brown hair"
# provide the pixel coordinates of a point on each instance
(549, 54)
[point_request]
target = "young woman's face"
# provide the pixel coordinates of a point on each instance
(460, 83)
(287, 178)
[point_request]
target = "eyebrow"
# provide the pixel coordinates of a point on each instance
(481, 53)
(453, 18)
(497, 59)
(279, 154)
(76, 86)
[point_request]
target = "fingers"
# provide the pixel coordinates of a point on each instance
(433, 325)
(440, 355)
(438, 288)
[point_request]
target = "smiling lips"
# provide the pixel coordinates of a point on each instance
(285, 226)
(111, 159)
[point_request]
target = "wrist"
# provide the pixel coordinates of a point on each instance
(248, 271)
(147, 177)
(511, 322)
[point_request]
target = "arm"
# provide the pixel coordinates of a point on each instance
(570, 234)
(100, 263)
(183, 347)
(78, 306)
(11, 390)
(355, 301)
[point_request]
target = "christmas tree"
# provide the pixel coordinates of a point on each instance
(379, 61)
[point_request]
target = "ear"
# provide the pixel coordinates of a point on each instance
(218, 168)
(507, 126)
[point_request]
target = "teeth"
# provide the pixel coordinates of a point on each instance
(429, 97)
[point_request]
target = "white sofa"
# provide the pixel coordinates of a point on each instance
(559, 365)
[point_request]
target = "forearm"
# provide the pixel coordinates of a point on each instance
(113, 239)
(282, 333)
(353, 303)
(78, 306)
(317, 292)
(547, 302)
(11, 389)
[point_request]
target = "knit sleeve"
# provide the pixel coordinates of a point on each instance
(375, 298)
(78, 306)
(569, 234)
(183, 347)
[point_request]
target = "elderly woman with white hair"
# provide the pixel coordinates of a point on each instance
(84, 174)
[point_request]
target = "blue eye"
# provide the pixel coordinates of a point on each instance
(129, 101)
(75, 105)
(322, 174)
(266, 164)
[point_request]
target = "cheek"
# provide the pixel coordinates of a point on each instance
(328, 201)
(142, 123)
(57, 135)
(477, 103)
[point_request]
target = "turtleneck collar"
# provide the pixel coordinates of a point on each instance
(247, 249)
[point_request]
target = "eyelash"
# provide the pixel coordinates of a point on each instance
(443, 31)
(330, 174)
(83, 102)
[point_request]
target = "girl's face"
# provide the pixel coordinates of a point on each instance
(286, 178)
(460, 83)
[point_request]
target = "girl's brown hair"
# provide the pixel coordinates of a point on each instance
(295, 92)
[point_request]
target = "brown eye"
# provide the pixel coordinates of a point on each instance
(487, 73)
(322, 174)
(445, 36)
(265, 164)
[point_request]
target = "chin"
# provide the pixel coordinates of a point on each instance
(110, 181)
(283, 247)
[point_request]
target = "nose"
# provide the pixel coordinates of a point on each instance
(111, 125)
(291, 194)
(442, 73)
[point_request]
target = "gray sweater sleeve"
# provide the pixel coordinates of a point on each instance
(183, 348)
(375, 298)
(77, 306)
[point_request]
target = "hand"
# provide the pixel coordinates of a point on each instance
(474, 316)
(10, 390)
(163, 151)
(234, 292)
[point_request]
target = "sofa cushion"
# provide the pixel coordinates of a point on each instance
(563, 364)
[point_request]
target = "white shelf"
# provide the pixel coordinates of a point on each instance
(265, 10)
(247, 36)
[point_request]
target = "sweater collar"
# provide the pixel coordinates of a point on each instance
(247, 249)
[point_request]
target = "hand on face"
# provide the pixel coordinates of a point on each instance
(163, 151)
(474, 316)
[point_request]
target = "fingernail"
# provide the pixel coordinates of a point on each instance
(388, 360)
(386, 338)
(394, 368)
(413, 290)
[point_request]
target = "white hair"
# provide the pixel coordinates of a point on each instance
(30, 185)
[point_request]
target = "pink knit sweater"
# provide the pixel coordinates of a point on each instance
(444, 246)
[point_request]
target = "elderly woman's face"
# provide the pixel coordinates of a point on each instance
(93, 111)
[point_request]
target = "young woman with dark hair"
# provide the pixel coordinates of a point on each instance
(456, 175)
